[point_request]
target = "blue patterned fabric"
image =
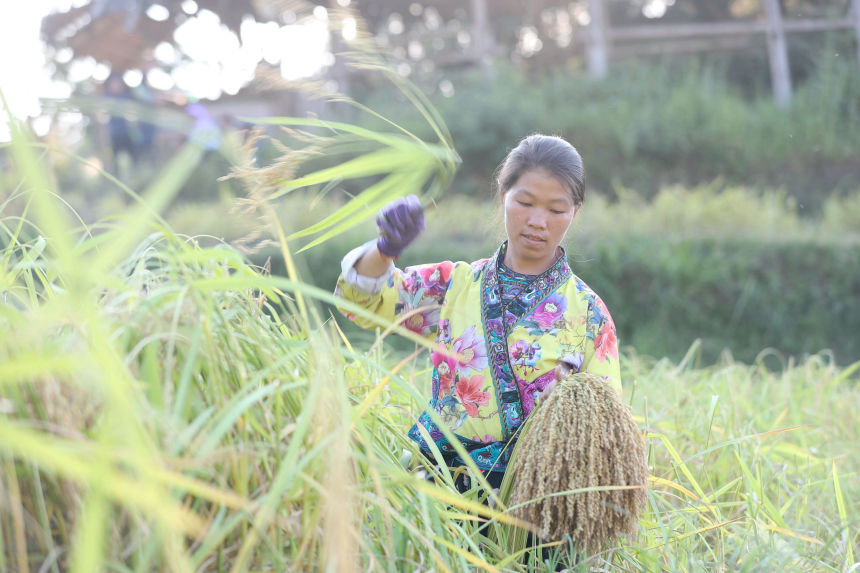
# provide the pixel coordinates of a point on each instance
(499, 318)
(488, 457)
(512, 283)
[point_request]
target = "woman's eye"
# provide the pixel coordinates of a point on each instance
(555, 212)
(524, 204)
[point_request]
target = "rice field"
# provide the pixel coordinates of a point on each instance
(165, 406)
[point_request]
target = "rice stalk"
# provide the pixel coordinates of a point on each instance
(580, 467)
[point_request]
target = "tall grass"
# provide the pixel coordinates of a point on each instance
(747, 464)
(167, 406)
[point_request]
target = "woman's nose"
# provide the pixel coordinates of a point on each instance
(537, 219)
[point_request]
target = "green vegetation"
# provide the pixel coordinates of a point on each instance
(166, 406)
(738, 295)
(655, 124)
(740, 270)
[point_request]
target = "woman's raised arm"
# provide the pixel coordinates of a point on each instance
(373, 264)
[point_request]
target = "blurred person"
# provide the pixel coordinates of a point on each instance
(145, 127)
(507, 327)
(205, 131)
(123, 136)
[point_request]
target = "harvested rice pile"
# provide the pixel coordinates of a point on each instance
(584, 436)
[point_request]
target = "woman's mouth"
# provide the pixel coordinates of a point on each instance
(533, 239)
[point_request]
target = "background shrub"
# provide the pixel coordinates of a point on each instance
(655, 124)
(740, 270)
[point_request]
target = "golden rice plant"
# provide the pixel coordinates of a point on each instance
(580, 468)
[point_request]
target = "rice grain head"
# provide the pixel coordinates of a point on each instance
(584, 436)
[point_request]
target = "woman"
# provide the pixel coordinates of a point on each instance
(501, 324)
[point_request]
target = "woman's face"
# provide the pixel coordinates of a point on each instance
(538, 212)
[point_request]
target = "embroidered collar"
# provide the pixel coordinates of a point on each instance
(506, 270)
(498, 321)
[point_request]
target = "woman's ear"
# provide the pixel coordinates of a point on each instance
(576, 210)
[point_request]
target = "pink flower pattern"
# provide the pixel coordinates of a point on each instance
(550, 310)
(435, 277)
(606, 343)
(468, 391)
(418, 322)
(472, 351)
(446, 367)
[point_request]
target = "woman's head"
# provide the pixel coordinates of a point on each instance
(541, 186)
(547, 153)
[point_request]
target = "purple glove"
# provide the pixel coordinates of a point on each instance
(399, 223)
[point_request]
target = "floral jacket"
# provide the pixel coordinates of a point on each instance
(505, 354)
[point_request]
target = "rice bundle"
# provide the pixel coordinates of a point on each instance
(584, 436)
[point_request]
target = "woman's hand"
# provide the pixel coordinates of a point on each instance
(562, 368)
(400, 222)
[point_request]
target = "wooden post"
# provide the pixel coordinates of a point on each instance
(855, 16)
(482, 35)
(597, 53)
(780, 75)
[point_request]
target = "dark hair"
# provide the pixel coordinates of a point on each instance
(548, 153)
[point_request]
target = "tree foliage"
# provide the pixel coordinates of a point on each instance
(122, 34)
(424, 36)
